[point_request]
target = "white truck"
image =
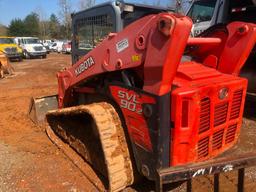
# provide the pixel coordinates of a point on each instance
(206, 13)
(31, 47)
(56, 46)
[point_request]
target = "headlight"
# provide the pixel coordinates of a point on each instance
(30, 49)
(19, 50)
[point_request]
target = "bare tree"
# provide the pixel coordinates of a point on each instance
(42, 21)
(65, 15)
(85, 4)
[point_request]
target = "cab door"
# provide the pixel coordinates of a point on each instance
(90, 27)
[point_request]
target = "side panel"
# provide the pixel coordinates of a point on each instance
(147, 119)
(131, 106)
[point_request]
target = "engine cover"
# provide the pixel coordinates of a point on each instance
(207, 109)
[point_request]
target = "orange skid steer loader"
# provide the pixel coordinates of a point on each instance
(134, 104)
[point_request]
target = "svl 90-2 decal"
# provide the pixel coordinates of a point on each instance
(130, 103)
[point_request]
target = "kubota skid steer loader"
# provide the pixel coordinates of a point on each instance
(131, 104)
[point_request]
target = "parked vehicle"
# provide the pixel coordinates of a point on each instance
(56, 46)
(10, 48)
(66, 47)
(47, 41)
(46, 44)
(206, 14)
(31, 47)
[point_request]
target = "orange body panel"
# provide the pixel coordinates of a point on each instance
(205, 124)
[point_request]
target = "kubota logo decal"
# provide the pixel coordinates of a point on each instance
(129, 101)
(89, 62)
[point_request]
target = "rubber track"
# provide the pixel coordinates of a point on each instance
(112, 137)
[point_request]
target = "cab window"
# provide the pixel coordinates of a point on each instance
(6, 41)
(202, 11)
(245, 16)
(92, 30)
(137, 13)
(242, 10)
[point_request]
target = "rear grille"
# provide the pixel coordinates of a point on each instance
(231, 132)
(220, 114)
(217, 139)
(204, 115)
(203, 148)
(10, 50)
(236, 104)
(216, 131)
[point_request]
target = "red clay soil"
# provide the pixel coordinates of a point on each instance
(30, 162)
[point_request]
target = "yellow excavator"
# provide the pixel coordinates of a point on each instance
(5, 66)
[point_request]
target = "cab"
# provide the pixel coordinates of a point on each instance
(10, 48)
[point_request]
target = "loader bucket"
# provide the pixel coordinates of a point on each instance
(40, 106)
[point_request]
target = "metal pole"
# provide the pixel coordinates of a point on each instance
(189, 185)
(216, 182)
(240, 180)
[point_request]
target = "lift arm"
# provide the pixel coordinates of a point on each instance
(157, 41)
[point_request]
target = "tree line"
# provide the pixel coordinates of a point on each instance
(56, 27)
(32, 26)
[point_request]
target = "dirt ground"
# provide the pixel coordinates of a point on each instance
(28, 159)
